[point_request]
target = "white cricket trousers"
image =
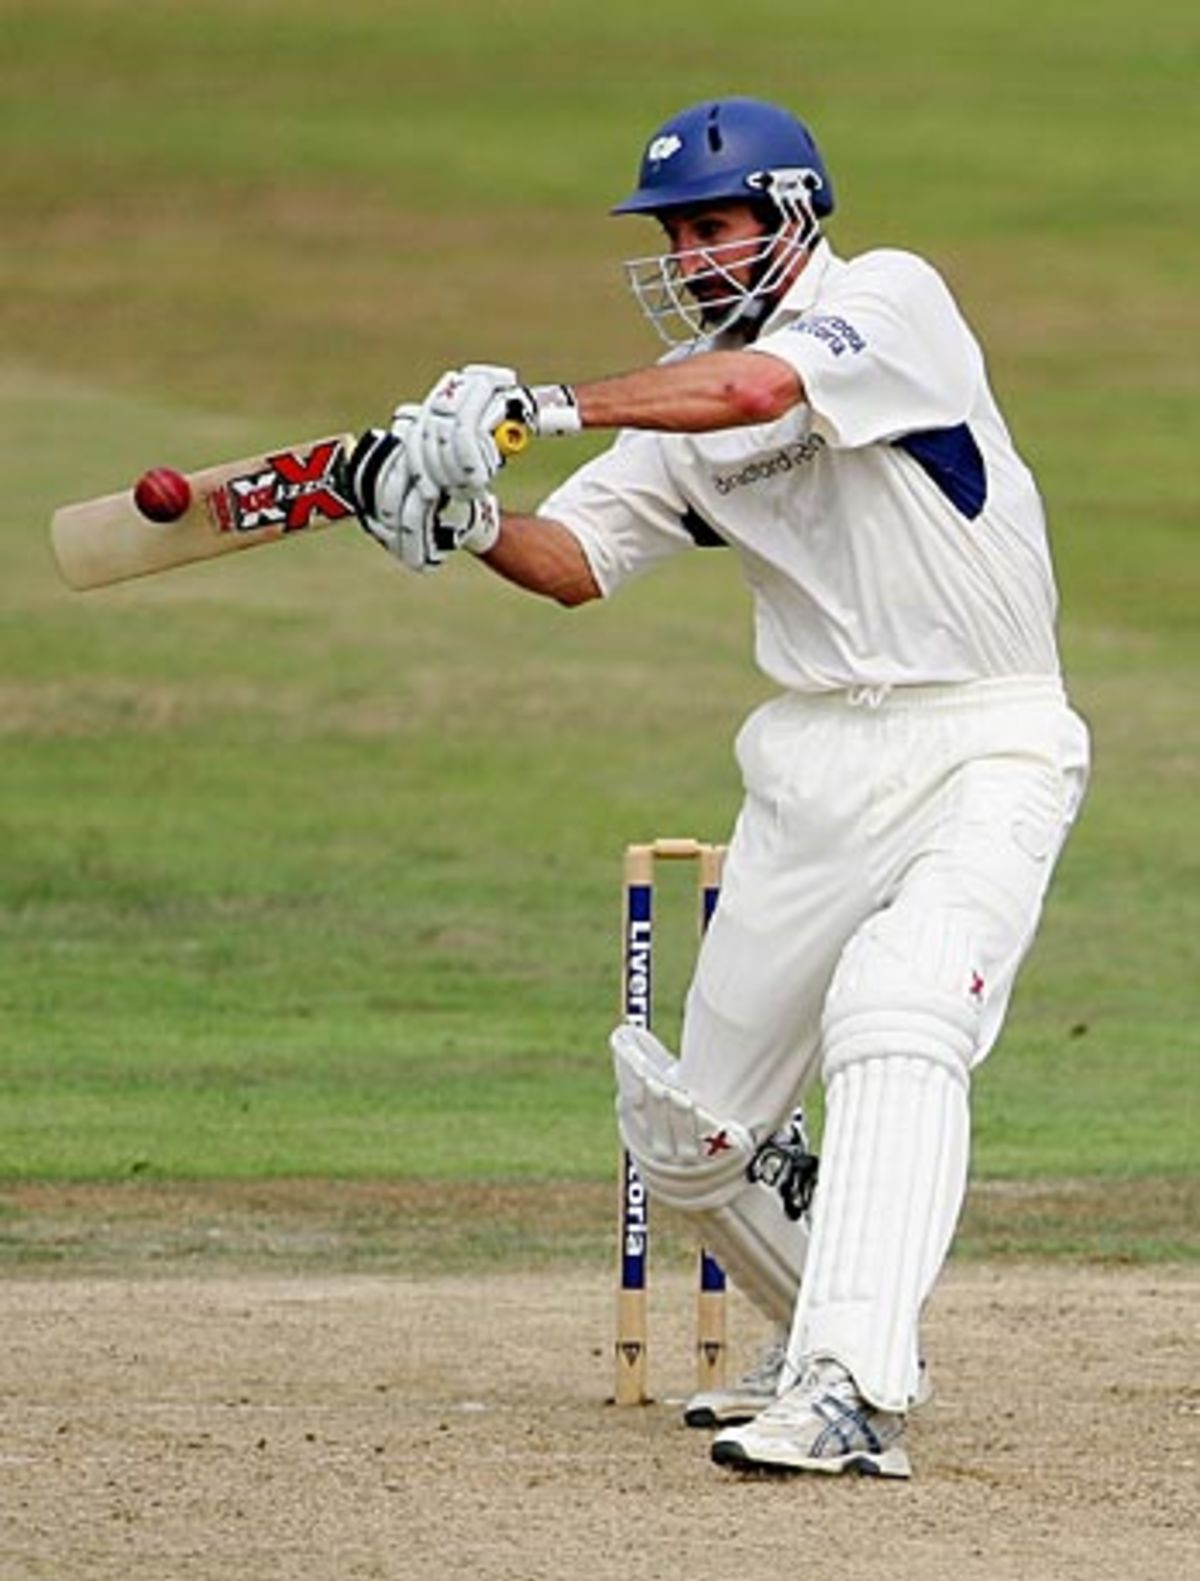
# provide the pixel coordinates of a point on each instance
(883, 884)
(927, 801)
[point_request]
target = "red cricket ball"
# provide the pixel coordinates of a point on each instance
(162, 494)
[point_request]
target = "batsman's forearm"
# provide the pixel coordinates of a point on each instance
(541, 556)
(718, 389)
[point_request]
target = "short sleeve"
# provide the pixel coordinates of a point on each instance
(624, 509)
(883, 354)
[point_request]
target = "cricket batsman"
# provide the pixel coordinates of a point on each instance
(908, 787)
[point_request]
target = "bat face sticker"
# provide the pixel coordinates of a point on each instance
(289, 489)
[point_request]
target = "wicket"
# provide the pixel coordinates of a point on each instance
(637, 979)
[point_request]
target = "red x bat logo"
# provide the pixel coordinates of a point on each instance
(289, 489)
(308, 481)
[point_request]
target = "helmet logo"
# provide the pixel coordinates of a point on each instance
(663, 147)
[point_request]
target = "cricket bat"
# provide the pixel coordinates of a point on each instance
(218, 510)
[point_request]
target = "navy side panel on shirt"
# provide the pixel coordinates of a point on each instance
(953, 460)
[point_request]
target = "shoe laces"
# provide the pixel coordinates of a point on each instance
(827, 1375)
(821, 1377)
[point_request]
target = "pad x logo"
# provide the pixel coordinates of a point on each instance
(292, 487)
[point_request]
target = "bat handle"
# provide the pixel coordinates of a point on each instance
(512, 437)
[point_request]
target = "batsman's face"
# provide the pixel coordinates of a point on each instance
(714, 248)
(722, 264)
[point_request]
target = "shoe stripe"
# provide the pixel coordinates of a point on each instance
(842, 1423)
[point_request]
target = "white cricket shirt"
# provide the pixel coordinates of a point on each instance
(887, 528)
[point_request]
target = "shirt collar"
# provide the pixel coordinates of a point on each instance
(822, 264)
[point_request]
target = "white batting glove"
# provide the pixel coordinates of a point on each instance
(405, 513)
(472, 524)
(385, 488)
(430, 530)
(456, 427)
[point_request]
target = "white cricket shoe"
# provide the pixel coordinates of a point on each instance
(754, 1391)
(822, 1424)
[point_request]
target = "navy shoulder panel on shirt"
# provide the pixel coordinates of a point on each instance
(952, 458)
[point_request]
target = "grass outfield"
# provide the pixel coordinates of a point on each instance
(310, 869)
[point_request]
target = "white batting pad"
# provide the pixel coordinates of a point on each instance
(881, 1233)
(761, 1249)
(685, 1154)
(695, 1161)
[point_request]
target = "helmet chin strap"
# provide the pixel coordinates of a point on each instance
(749, 318)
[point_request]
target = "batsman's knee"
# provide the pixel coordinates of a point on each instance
(688, 1156)
(905, 986)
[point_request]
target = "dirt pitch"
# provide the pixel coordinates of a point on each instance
(258, 1426)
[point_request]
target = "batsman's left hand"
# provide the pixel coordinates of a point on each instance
(385, 488)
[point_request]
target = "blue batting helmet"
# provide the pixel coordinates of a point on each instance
(721, 150)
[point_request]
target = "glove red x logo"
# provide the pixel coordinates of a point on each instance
(716, 1144)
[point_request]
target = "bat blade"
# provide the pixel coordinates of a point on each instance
(238, 505)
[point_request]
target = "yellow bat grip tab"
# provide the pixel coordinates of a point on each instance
(511, 436)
